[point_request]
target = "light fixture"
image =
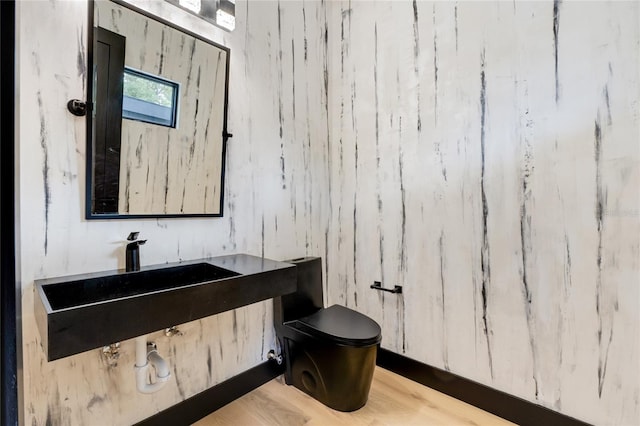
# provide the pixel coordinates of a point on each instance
(193, 5)
(226, 14)
(219, 12)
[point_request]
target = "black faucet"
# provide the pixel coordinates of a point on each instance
(133, 252)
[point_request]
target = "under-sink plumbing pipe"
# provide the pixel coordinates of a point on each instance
(146, 356)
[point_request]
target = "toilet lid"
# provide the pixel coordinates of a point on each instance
(342, 325)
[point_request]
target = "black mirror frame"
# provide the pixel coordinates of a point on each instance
(89, 117)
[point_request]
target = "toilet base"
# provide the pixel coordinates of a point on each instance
(337, 376)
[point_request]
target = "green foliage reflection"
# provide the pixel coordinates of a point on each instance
(147, 90)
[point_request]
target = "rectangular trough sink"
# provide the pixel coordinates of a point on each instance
(100, 289)
(82, 312)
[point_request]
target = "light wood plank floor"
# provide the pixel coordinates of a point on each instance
(393, 400)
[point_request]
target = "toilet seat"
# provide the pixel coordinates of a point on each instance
(340, 325)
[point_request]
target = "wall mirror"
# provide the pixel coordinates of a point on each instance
(157, 115)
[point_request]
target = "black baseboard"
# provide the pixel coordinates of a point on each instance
(501, 404)
(198, 406)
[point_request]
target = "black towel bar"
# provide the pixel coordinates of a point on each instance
(377, 285)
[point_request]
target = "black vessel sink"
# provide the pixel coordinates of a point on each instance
(100, 289)
(82, 312)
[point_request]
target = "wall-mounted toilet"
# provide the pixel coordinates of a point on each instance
(329, 353)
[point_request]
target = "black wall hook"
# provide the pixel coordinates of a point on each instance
(77, 107)
(377, 285)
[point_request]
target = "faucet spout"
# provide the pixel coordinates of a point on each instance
(132, 253)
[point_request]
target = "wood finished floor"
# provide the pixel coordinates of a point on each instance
(393, 400)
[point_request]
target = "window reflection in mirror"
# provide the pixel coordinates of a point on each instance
(149, 98)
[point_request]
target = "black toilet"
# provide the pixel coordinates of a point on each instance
(329, 353)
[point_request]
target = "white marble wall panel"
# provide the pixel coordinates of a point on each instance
(274, 200)
(485, 156)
